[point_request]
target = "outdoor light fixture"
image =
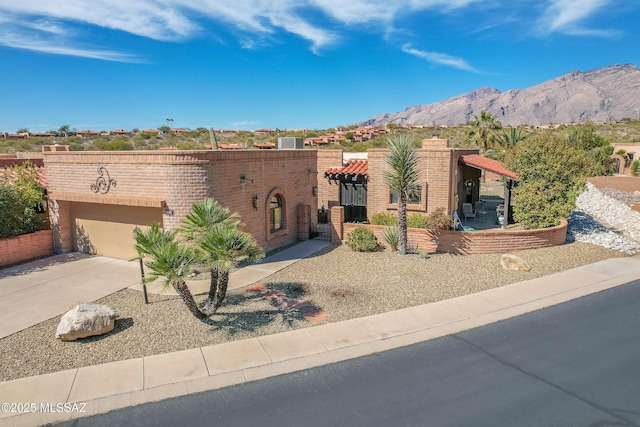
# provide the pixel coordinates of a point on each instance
(168, 212)
(244, 181)
(314, 190)
(255, 202)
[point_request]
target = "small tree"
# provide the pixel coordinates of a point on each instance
(552, 175)
(403, 179)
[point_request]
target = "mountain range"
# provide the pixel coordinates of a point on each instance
(601, 95)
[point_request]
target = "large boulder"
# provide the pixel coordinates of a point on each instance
(513, 262)
(85, 320)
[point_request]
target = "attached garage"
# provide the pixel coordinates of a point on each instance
(107, 230)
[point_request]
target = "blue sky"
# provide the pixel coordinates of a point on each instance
(111, 64)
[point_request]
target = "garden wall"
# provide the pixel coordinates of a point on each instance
(476, 242)
(26, 247)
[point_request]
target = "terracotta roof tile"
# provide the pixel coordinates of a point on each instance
(481, 162)
(351, 169)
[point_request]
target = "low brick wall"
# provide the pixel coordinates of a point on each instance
(475, 242)
(26, 247)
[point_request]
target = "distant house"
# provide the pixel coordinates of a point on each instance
(264, 131)
(87, 133)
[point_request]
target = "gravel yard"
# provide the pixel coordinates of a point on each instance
(341, 283)
(337, 283)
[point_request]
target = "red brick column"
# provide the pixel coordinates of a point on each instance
(60, 221)
(337, 224)
(304, 221)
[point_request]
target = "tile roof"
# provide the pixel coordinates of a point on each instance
(481, 162)
(352, 169)
(265, 145)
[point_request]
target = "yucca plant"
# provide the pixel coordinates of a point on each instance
(390, 237)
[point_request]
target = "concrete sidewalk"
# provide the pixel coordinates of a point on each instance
(102, 388)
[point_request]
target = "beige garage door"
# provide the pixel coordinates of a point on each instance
(107, 229)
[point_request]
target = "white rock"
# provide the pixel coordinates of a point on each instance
(513, 262)
(85, 320)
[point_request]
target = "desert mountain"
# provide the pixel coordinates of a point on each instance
(609, 93)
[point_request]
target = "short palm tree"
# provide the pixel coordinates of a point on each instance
(167, 258)
(222, 247)
(213, 231)
(402, 178)
(482, 131)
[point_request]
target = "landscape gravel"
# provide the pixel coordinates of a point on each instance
(604, 217)
(337, 281)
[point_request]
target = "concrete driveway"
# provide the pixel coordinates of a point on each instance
(39, 290)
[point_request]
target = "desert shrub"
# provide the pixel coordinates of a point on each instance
(21, 201)
(362, 240)
(390, 237)
(383, 218)
(439, 220)
(416, 220)
(635, 168)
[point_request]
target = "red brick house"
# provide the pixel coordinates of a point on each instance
(96, 199)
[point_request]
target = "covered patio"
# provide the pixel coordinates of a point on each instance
(491, 210)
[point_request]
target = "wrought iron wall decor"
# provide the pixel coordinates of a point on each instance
(103, 182)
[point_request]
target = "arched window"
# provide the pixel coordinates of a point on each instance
(275, 213)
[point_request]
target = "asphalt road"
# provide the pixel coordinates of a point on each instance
(575, 364)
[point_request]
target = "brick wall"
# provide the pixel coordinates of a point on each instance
(477, 242)
(174, 180)
(26, 247)
(328, 191)
(441, 180)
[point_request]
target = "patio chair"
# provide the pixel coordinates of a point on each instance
(480, 210)
(468, 211)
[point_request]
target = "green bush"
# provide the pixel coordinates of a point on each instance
(635, 168)
(21, 201)
(416, 220)
(383, 218)
(362, 240)
(552, 174)
(390, 236)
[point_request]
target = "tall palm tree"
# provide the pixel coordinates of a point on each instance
(402, 178)
(482, 132)
(213, 230)
(166, 258)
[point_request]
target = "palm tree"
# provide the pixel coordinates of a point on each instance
(168, 259)
(482, 132)
(506, 141)
(402, 178)
(213, 230)
(223, 247)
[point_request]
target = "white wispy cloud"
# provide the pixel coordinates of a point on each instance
(567, 16)
(30, 22)
(440, 58)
